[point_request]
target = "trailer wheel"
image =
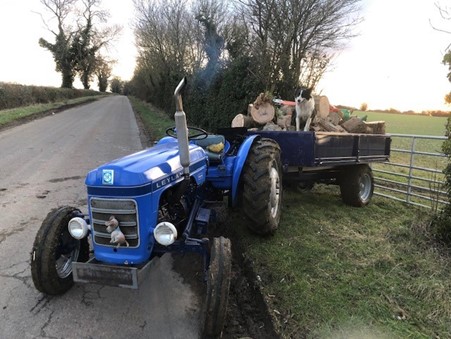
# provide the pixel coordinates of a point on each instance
(53, 252)
(357, 185)
(218, 284)
(262, 187)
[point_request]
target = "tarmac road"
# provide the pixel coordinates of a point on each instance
(43, 165)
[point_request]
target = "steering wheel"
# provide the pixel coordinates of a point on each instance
(194, 133)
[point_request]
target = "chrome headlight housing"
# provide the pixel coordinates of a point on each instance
(78, 228)
(165, 233)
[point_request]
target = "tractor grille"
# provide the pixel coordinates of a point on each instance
(124, 210)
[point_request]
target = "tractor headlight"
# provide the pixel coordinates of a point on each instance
(78, 228)
(165, 233)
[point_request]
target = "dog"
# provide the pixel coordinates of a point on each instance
(117, 237)
(305, 107)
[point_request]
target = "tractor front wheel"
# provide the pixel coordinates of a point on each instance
(218, 284)
(54, 251)
(262, 187)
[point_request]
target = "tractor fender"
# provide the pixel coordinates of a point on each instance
(239, 164)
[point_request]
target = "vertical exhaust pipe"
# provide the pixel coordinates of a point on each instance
(181, 129)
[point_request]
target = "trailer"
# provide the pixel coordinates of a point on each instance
(325, 157)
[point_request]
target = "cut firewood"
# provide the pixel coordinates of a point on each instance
(287, 110)
(249, 109)
(262, 110)
(334, 118)
(322, 106)
(263, 114)
(242, 120)
(375, 127)
(327, 126)
(284, 122)
(270, 126)
(354, 125)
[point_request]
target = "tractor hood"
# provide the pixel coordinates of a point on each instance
(145, 167)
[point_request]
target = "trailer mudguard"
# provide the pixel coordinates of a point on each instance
(239, 164)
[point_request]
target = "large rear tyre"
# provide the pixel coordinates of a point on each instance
(218, 284)
(262, 187)
(357, 185)
(54, 251)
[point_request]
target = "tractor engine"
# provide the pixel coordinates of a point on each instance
(175, 205)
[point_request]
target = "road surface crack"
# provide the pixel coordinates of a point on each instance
(6, 233)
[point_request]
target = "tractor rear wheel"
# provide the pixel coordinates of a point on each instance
(218, 284)
(357, 185)
(54, 251)
(262, 187)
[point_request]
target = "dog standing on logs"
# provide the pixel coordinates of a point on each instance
(117, 237)
(305, 107)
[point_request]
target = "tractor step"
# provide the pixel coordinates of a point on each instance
(95, 272)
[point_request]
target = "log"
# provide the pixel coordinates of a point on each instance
(327, 126)
(375, 127)
(263, 114)
(284, 122)
(287, 110)
(242, 120)
(249, 109)
(334, 118)
(270, 126)
(354, 125)
(322, 106)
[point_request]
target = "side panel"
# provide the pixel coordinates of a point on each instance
(297, 147)
(310, 149)
(239, 164)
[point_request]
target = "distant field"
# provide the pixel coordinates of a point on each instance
(408, 124)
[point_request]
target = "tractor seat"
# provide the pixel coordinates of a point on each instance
(212, 146)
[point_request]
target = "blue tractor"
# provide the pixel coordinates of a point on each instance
(153, 202)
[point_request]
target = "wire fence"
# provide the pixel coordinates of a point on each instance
(414, 173)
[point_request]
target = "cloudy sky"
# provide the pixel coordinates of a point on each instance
(394, 62)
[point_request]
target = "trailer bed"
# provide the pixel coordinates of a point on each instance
(317, 149)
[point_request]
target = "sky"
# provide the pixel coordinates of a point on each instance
(394, 62)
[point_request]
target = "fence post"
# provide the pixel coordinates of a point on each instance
(409, 181)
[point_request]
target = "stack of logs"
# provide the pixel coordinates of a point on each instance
(262, 115)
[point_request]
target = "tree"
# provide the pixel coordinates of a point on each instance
(78, 39)
(90, 39)
(209, 15)
(61, 49)
(447, 61)
(116, 85)
(103, 72)
(285, 31)
(167, 50)
(364, 106)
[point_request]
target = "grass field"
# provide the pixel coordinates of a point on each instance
(408, 124)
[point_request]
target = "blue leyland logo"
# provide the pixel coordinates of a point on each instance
(107, 177)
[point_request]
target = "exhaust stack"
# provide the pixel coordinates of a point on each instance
(181, 128)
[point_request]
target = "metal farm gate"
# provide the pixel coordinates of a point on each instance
(414, 173)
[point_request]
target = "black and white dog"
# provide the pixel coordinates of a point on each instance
(305, 107)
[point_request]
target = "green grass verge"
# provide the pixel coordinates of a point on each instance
(9, 115)
(333, 271)
(155, 121)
